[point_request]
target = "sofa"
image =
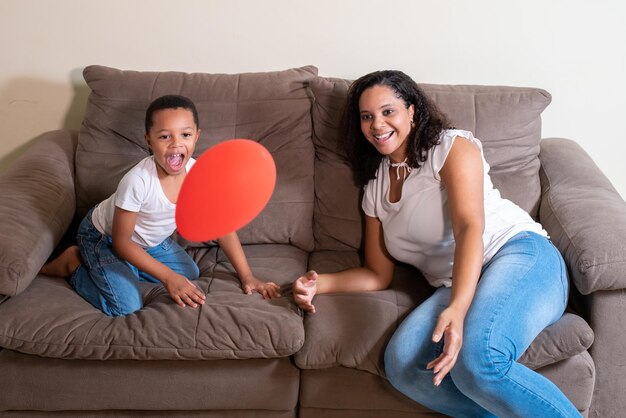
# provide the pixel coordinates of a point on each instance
(240, 355)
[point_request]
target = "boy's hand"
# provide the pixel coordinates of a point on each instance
(268, 290)
(304, 288)
(183, 291)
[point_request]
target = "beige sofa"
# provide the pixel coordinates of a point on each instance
(240, 355)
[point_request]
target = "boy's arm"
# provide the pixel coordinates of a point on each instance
(232, 248)
(181, 289)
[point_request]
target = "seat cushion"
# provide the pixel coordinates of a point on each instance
(50, 319)
(352, 330)
(272, 108)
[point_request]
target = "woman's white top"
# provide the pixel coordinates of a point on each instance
(140, 191)
(418, 229)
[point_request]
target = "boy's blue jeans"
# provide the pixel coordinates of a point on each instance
(522, 289)
(112, 284)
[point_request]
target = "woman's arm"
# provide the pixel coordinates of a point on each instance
(376, 274)
(462, 175)
(181, 289)
(232, 248)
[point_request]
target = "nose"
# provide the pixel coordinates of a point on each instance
(176, 139)
(378, 122)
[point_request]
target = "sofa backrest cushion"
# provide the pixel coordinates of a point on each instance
(36, 208)
(272, 108)
(506, 119)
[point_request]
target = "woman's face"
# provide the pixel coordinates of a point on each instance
(385, 121)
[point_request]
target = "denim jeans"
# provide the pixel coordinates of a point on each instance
(521, 290)
(110, 283)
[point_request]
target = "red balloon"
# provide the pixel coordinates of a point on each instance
(228, 186)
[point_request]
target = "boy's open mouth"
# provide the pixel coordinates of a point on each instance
(175, 161)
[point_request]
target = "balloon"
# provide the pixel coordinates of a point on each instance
(227, 187)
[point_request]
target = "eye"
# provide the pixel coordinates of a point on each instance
(187, 135)
(387, 112)
(366, 117)
(164, 137)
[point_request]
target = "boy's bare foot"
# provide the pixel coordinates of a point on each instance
(65, 264)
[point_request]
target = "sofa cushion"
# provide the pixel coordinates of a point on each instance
(567, 337)
(342, 392)
(506, 119)
(128, 387)
(584, 215)
(352, 330)
(50, 319)
(271, 108)
(36, 208)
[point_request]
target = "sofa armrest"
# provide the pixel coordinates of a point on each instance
(584, 215)
(37, 206)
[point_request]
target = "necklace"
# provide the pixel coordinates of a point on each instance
(403, 165)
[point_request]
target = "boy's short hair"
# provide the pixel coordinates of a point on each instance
(170, 101)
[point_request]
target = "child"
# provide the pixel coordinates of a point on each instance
(126, 238)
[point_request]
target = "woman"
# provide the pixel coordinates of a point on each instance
(429, 202)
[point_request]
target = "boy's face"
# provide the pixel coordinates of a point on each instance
(172, 139)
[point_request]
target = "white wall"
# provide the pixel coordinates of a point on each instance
(572, 48)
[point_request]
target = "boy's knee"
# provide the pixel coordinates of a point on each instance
(194, 272)
(126, 307)
(187, 268)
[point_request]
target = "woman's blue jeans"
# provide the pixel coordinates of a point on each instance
(110, 283)
(522, 289)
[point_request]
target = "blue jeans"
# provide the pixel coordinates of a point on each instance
(110, 283)
(522, 289)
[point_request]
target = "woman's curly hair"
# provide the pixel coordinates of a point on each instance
(429, 123)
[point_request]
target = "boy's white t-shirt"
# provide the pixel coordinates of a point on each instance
(140, 191)
(418, 229)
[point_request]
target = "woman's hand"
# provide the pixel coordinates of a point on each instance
(304, 288)
(268, 290)
(183, 291)
(450, 328)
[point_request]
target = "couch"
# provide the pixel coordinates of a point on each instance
(240, 355)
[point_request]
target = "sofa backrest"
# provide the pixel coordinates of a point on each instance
(506, 119)
(272, 108)
(295, 114)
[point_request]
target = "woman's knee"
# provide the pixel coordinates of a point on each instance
(405, 375)
(399, 363)
(479, 365)
(392, 363)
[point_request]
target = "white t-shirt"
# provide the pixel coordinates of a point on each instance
(140, 191)
(418, 229)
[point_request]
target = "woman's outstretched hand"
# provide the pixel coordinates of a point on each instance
(304, 288)
(450, 328)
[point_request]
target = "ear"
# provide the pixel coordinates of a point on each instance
(147, 138)
(411, 110)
